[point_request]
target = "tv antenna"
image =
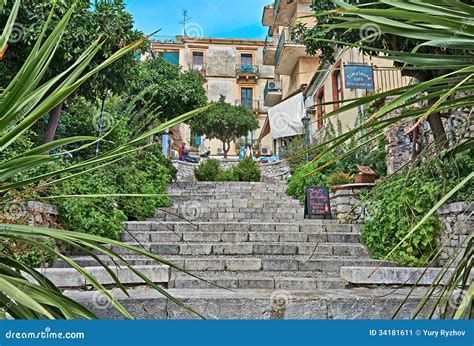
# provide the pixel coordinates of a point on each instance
(184, 22)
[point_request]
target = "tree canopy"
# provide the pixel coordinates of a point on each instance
(107, 20)
(225, 122)
(167, 90)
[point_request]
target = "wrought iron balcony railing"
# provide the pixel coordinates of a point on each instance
(247, 70)
(164, 39)
(251, 105)
(286, 38)
(201, 68)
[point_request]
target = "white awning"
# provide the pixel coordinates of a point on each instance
(285, 117)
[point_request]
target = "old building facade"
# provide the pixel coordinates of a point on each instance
(233, 68)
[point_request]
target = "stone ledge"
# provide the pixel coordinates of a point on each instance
(392, 275)
(71, 278)
(456, 207)
(358, 303)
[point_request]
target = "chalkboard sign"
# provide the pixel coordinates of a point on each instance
(317, 203)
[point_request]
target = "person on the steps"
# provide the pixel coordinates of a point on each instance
(249, 151)
(242, 152)
(184, 154)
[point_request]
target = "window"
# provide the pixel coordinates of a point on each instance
(198, 61)
(321, 109)
(337, 86)
(246, 60)
(247, 98)
(171, 57)
(194, 140)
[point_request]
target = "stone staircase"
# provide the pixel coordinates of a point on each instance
(249, 245)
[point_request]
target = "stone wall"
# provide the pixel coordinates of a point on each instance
(345, 206)
(458, 124)
(273, 171)
(459, 223)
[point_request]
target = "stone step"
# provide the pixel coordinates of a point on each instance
(240, 237)
(326, 226)
(273, 263)
(248, 248)
(256, 282)
(398, 275)
(260, 264)
(258, 304)
(231, 217)
(71, 278)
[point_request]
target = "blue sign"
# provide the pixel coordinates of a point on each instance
(358, 76)
(228, 333)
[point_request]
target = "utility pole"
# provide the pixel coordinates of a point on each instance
(184, 22)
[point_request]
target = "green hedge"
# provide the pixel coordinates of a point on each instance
(245, 170)
(398, 204)
(147, 172)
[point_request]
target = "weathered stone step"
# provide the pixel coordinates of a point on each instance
(282, 218)
(361, 303)
(71, 278)
(256, 282)
(227, 236)
(260, 264)
(328, 226)
(249, 248)
(273, 263)
(397, 275)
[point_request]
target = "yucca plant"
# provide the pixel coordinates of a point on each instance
(433, 38)
(22, 103)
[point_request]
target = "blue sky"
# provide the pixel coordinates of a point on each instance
(209, 18)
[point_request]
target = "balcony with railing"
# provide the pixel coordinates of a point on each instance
(269, 49)
(252, 105)
(201, 68)
(166, 39)
(289, 51)
(285, 11)
(272, 93)
(267, 18)
(247, 71)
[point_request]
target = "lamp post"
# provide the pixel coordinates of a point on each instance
(306, 119)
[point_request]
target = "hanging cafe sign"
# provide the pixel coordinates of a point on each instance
(359, 76)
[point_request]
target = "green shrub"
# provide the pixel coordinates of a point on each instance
(397, 205)
(145, 173)
(28, 254)
(227, 175)
(97, 216)
(339, 178)
(207, 170)
(303, 177)
(247, 170)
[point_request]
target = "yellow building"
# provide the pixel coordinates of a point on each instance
(300, 75)
(233, 68)
(294, 67)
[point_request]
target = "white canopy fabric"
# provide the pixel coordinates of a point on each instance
(285, 117)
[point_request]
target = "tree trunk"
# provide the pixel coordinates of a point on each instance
(437, 127)
(52, 123)
(224, 148)
(434, 119)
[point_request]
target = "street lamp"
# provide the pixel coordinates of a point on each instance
(305, 120)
